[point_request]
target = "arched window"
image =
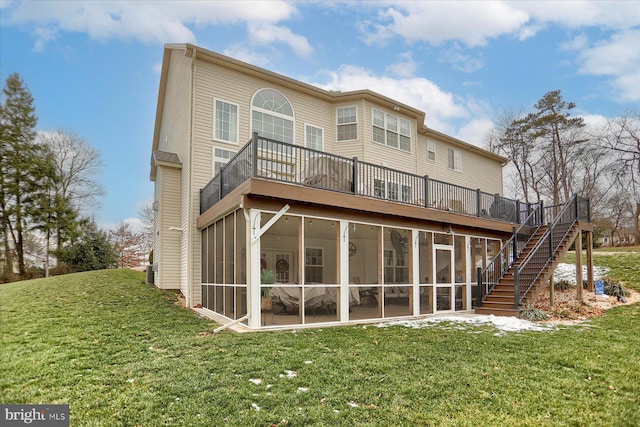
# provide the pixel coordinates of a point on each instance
(272, 115)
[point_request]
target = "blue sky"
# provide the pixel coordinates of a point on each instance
(93, 66)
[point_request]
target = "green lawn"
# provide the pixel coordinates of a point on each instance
(624, 263)
(121, 353)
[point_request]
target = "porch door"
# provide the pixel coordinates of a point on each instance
(444, 267)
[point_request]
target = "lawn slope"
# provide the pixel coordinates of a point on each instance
(122, 353)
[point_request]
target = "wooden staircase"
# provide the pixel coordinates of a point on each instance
(500, 300)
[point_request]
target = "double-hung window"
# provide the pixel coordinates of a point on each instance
(313, 137)
(220, 158)
(431, 150)
(454, 159)
(391, 130)
(225, 123)
(347, 121)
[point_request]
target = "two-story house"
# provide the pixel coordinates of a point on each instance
(280, 204)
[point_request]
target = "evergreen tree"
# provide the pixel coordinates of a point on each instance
(92, 251)
(52, 213)
(19, 161)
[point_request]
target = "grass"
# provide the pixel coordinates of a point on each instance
(624, 263)
(121, 353)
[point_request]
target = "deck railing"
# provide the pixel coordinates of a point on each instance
(279, 161)
(510, 251)
(527, 273)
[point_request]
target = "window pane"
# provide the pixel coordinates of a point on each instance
(450, 161)
(346, 115)
(392, 123)
(229, 253)
(426, 257)
(321, 251)
(347, 132)
(459, 245)
(443, 266)
(396, 256)
(378, 135)
(226, 121)
(392, 139)
(378, 118)
(405, 127)
(405, 143)
(313, 137)
(363, 253)
(271, 100)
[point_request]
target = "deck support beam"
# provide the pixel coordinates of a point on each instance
(578, 244)
(589, 260)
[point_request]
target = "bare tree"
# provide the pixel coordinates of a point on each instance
(147, 217)
(509, 139)
(77, 164)
(621, 137)
(549, 151)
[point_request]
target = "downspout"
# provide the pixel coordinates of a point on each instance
(190, 222)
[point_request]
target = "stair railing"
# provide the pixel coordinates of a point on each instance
(510, 251)
(545, 249)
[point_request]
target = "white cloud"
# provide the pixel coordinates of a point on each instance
(244, 53)
(471, 23)
(146, 21)
(617, 57)
(405, 67)
(594, 121)
(460, 61)
(442, 109)
(135, 224)
(579, 42)
(615, 14)
(266, 33)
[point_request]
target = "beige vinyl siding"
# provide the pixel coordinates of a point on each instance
(168, 182)
(218, 82)
(174, 134)
(174, 137)
(478, 171)
(353, 148)
(385, 155)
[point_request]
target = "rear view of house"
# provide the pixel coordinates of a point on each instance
(279, 204)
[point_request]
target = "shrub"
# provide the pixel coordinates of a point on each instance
(563, 285)
(533, 314)
(614, 288)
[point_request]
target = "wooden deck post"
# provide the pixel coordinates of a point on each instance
(551, 291)
(590, 261)
(578, 244)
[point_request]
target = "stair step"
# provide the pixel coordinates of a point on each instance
(501, 305)
(499, 301)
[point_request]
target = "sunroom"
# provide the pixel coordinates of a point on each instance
(282, 251)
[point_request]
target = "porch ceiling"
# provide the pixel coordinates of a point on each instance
(268, 194)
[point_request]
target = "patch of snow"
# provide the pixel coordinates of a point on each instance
(353, 404)
(308, 362)
(256, 381)
(303, 389)
(568, 272)
(502, 323)
(254, 406)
